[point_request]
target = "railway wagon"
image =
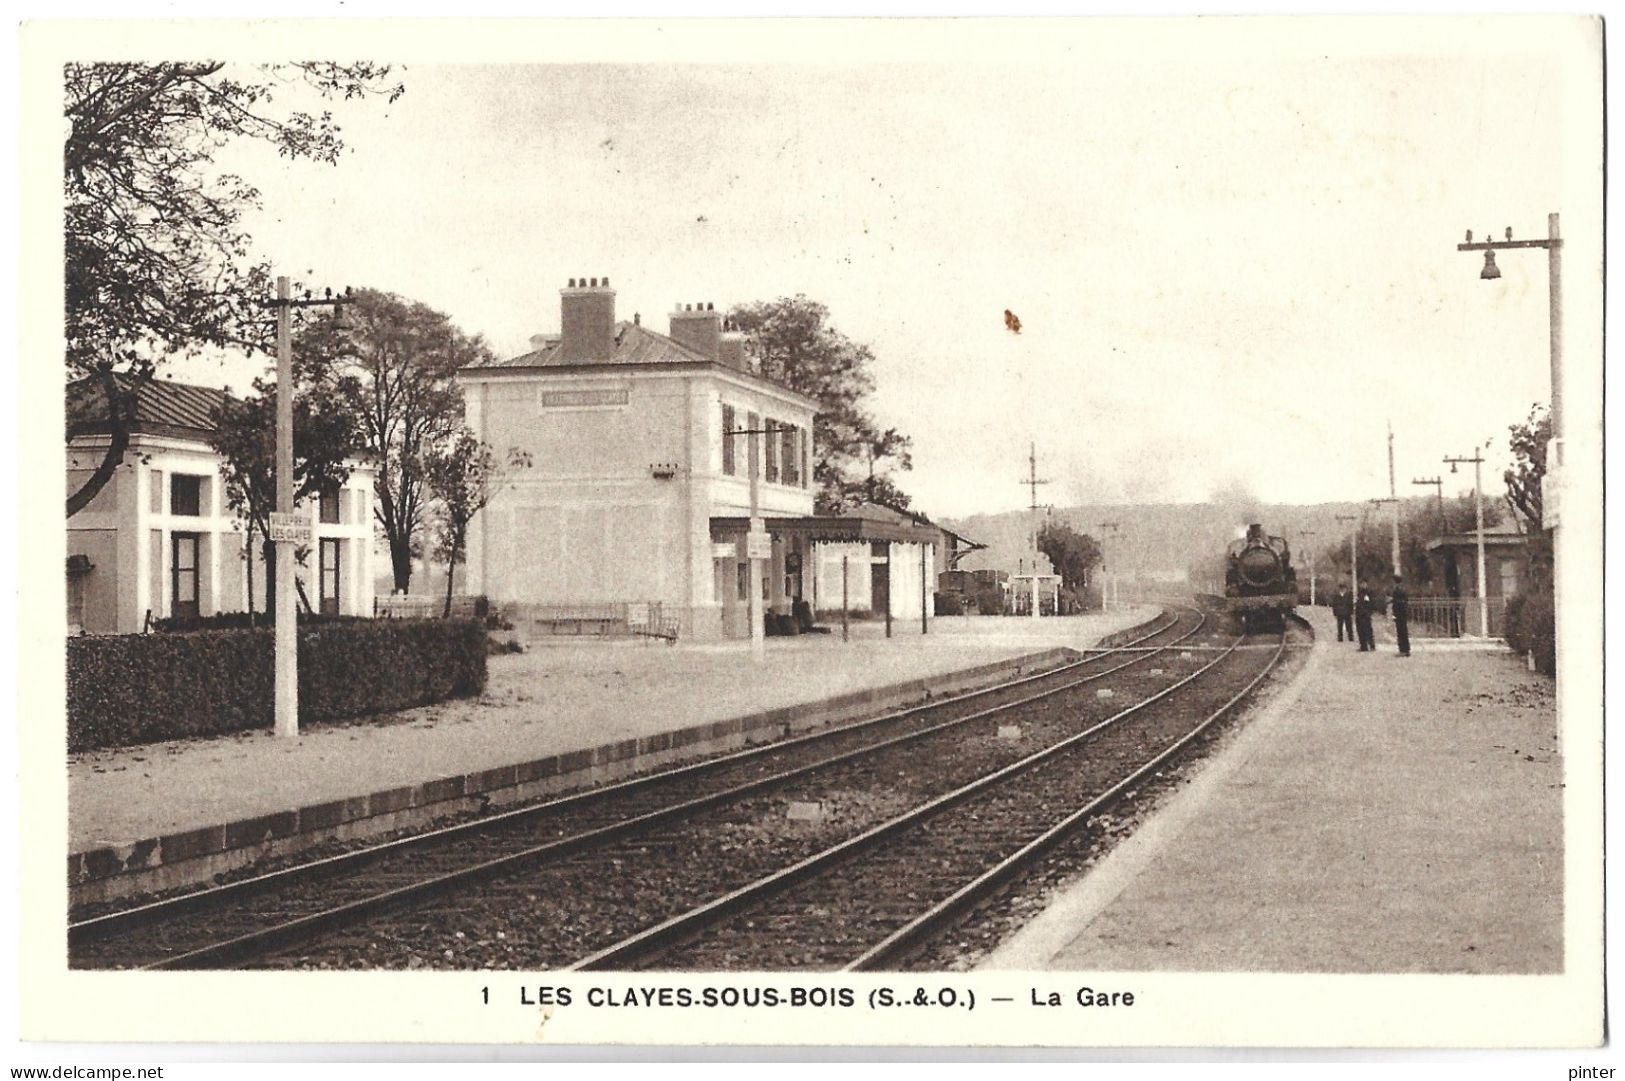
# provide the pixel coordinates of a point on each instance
(1260, 586)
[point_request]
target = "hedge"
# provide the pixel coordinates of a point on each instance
(145, 688)
(239, 621)
(1531, 626)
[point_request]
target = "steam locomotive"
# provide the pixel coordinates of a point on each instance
(1260, 586)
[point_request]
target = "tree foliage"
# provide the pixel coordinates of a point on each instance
(854, 459)
(1420, 521)
(464, 476)
(1074, 555)
(1527, 441)
(156, 259)
(325, 438)
(398, 358)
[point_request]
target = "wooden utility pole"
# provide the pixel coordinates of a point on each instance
(1354, 552)
(288, 529)
(1438, 486)
(1032, 482)
(1310, 533)
(1478, 511)
(1106, 575)
(1393, 496)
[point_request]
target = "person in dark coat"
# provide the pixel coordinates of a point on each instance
(1364, 605)
(1343, 609)
(1399, 603)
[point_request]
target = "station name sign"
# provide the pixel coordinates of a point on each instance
(291, 527)
(576, 399)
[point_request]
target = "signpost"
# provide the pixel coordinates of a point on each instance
(292, 528)
(287, 529)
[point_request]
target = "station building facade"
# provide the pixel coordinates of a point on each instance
(159, 540)
(642, 446)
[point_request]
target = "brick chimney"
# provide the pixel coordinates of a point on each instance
(699, 327)
(731, 346)
(587, 323)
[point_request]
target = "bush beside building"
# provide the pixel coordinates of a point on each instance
(131, 689)
(1531, 627)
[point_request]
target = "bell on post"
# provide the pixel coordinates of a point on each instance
(1490, 271)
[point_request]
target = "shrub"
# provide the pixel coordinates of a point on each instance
(950, 604)
(238, 621)
(1531, 626)
(129, 689)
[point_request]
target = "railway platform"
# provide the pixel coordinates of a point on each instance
(1381, 815)
(567, 714)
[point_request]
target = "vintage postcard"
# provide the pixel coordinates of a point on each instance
(966, 532)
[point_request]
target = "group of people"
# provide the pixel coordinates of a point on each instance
(1354, 616)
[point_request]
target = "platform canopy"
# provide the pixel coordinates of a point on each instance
(829, 528)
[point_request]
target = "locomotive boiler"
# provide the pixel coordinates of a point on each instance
(1260, 586)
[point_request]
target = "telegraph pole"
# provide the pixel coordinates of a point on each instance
(1310, 533)
(1354, 554)
(1478, 510)
(1438, 487)
(1032, 482)
(288, 529)
(1113, 528)
(759, 547)
(1395, 502)
(1393, 495)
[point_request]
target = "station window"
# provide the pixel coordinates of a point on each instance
(329, 575)
(183, 574)
(330, 507)
(728, 425)
(185, 495)
(791, 458)
(771, 442)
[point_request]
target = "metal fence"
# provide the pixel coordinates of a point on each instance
(1452, 617)
(606, 619)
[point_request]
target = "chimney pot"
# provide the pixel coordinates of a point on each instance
(606, 283)
(572, 283)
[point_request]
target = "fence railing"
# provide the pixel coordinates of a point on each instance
(1452, 617)
(605, 619)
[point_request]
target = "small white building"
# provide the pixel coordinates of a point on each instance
(159, 541)
(639, 490)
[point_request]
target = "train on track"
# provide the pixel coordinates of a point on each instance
(1260, 586)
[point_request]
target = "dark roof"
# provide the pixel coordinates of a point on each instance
(162, 407)
(634, 344)
(1494, 537)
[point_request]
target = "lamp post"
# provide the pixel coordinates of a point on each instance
(1552, 507)
(1478, 510)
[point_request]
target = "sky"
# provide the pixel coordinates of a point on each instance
(1233, 266)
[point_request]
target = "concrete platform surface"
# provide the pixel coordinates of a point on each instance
(564, 696)
(1383, 815)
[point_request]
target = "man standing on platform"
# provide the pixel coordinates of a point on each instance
(1364, 605)
(1400, 604)
(1343, 609)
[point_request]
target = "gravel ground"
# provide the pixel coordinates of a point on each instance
(555, 914)
(563, 696)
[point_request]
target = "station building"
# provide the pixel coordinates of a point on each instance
(1506, 567)
(642, 447)
(159, 540)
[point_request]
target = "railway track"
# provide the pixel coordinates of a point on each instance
(233, 925)
(868, 901)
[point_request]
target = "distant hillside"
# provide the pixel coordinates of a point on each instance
(1160, 538)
